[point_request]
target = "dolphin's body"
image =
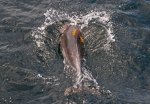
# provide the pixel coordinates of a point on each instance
(71, 44)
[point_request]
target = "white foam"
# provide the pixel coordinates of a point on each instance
(104, 18)
(49, 79)
(52, 16)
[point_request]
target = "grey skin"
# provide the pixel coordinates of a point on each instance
(71, 44)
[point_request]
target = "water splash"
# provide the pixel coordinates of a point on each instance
(52, 16)
(84, 82)
(52, 80)
(87, 78)
(102, 17)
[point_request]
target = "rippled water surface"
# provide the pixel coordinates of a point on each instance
(117, 50)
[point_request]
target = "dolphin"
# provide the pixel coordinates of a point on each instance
(72, 48)
(71, 44)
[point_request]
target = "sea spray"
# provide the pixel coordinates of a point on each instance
(53, 16)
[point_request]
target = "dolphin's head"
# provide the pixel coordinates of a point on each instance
(63, 28)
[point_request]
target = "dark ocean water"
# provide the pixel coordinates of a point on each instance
(117, 47)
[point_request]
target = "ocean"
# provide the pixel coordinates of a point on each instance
(117, 50)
